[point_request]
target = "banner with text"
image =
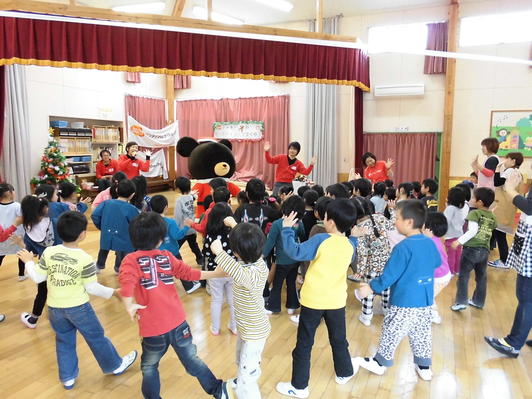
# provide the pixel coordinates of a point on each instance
(243, 130)
(152, 138)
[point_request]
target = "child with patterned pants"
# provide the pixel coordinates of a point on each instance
(410, 274)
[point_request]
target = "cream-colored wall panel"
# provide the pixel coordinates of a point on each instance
(475, 74)
(381, 114)
(385, 69)
(422, 114)
(512, 98)
(346, 128)
(45, 74)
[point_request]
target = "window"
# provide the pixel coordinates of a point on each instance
(493, 29)
(408, 37)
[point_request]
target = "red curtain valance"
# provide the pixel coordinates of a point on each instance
(82, 45)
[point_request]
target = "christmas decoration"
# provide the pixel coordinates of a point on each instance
(54, 167)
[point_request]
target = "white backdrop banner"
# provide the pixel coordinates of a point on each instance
(152, 138)
(243, 130)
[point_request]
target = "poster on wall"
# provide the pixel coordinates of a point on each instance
(513, 129)
(152, 138)
(242, 130)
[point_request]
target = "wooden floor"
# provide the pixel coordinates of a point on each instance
(464, 365)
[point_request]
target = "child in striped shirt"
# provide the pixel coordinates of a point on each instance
(249, 277)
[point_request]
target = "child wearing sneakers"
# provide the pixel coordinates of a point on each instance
(249, 276)
(475, 250)
(71, 275)
(410, 274)
(147, 287)
(435, 228)
(9, 211)
(324, 293)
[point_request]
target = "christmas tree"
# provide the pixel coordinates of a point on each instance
(53, 164)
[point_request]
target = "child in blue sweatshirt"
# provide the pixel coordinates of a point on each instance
(286, 267)
(410, 274)
(112, 218)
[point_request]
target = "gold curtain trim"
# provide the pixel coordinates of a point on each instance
(166, 71)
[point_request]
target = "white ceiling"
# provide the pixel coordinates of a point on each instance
(254, 13)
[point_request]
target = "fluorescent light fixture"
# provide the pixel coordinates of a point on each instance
(282, 5)
(144, 8)
(203, 13)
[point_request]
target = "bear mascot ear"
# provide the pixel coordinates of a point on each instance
(227, 143)
(185, 146)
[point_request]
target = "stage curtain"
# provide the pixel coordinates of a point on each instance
(414, 153)
(436, 40)
(133, 77)
(182, 82)
(359, 129)
(197, 116)
(84, 45)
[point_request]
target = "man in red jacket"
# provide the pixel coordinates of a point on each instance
(129, 164)
(288, 165)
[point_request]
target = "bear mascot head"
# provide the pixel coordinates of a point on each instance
(207, 159)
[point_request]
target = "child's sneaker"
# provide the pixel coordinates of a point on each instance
(195, 286)
(436, 318)
(214, 332)
(294, 319)
(499, 264)
(234, 331)
(365, 319)
(458, 307)
(474, 304)
(227, 391)
(370, 364)
(28, 320)
(286, 388)
(345, 380)
(69, 384)
(424, 374)
(291, 311)
(353, 277)
(2, 317)
(21, 278)
(126, 362)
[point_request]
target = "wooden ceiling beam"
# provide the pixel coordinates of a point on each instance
(78, 11)
(178, 8)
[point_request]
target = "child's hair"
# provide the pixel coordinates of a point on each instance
(337, 190)
(437, 223)
(413, 209)
(147, 230)
(130, 144)
(247, 241)
(456, 197)
(217, 182)
(66, 189)
(343, 213)
(207, 201)
(5, 188)
(310, 197)
(221, 194)
(33, 208)
(45, 189)
(388, 183)
(408, 188)
(256, 190)
(70, 225)
(391, 193)
(417, 187)
(115, 180)
(125, 188)
(432, 185)
(319, 190)
(363, 186)
(321, 206)
(363, 208)
(349, 186)
(103, 152)
(466, 189)
(379, 189)
(242, 198)
(517, 157)
(215, 222)
(473, 174)
(295, 204)
(302, 190)
(491, 144)
(286, 190)
(183, 184)
(141, 189)
(484, 194)
(158, 203)
(295, 145)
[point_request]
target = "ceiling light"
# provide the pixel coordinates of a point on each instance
(144, 8)
(282, 5)
(202, 13)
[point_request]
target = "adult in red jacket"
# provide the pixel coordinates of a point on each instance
(129, 164)
(375, 171)
(288, 165)
(107, 167)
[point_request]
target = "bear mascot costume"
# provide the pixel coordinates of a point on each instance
(208, 159)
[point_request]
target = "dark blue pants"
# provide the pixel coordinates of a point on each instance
(523, 313)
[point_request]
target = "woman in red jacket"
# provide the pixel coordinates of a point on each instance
(130, 165)
(107, 167)
(288, 165)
